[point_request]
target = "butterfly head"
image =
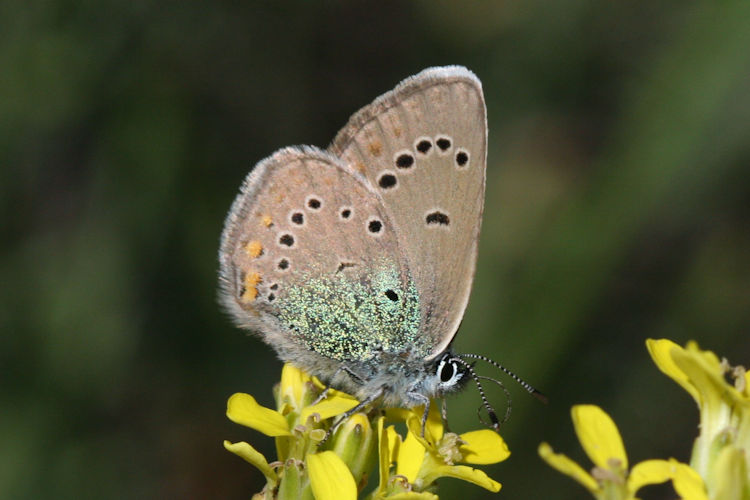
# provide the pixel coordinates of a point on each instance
(447, 374)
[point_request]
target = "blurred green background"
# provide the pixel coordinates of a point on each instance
(618, 209)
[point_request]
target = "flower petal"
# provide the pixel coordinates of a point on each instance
(293, 382)
(599, 436)
(650, 472)
(398, 414)
(465, 473)
(568, 467)
(329, 407)
(433, 427)
(252, 456)
(410, 457)
(331, 391)
(729, 474)
(434, 423)
(384, 455)
(244, 410)
(414, 425)
(688, 483)
(706, 374)
(483, 447)
(394, 442)
(330, 479)
(412, 495)
(661, 352)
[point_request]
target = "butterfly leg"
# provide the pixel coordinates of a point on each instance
(424, 400)
(444, 415)
(349, 413)
(322, 395)
(351, 373)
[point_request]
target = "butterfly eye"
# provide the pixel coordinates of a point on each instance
(448, 372)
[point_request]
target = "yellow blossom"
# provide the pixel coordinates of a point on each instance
(611, 478)
(421, 460)
(408, 466)
(330, 478)
(720, 453)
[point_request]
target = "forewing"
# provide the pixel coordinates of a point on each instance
(423, 148)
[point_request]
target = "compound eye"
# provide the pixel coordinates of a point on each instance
(448, 372)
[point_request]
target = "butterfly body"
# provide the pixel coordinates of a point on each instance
(356, 263)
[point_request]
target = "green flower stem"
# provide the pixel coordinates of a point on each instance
(293, 484)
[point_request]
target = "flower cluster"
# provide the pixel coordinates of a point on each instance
(718, 468)
(611, 478)
(722, 393)
(408, 466)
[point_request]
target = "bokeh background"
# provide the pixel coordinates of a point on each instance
(618, 209)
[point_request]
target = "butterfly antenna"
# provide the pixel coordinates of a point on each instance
(507, 398)
(490, 410)
(529, 388)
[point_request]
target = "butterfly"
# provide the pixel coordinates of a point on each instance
(355, 263)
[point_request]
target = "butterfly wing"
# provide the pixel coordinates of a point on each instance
(309, 259)
(423, 148)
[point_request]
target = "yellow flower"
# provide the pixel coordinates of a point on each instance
(720, 453)
(610, 478)
(419, 461)
(298, 426)
(339, 469)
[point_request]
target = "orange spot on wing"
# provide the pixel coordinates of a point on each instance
(397, 132)
(360, 167)
(251, 282)
(376, 148)
(254, 248)
(267, 221)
